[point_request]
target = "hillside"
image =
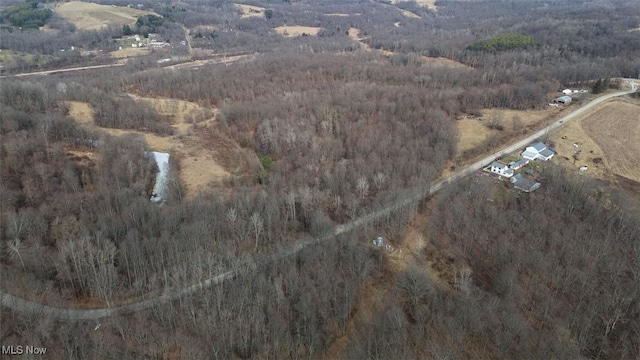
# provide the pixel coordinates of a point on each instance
(297, 135)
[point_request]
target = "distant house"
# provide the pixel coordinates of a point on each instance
(501, 169)
(562, 100)
(515, 165)
(537, 151)
(525, 184)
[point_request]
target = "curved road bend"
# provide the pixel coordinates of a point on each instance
(25, 306)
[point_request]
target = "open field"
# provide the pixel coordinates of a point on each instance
(430, 4)
(297, 30)
(250, 10)
(409, 14)
(473, 132)
(198, 156)
(11, 59)
(342, 14)
(129, 52)
(90, 16)
(608, 139)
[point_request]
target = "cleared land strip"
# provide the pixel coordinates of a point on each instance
(47, 72)
(30, 307)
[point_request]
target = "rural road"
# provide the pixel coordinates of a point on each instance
(56, 71)
(25, 306)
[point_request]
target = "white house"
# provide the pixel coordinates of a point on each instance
(537, 151)
(501, 169)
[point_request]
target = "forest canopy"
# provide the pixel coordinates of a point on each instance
(503, 42)
(27, 15)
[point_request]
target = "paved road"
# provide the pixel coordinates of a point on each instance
(24, 306)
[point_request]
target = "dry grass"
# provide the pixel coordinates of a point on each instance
(574, 133)
(199, 148)
(80, 111)
(473, 132)
(354, 34)
(343, 15)
(430, 4)
(184, 113)
(297, 30)
(440, 61)
(200, 172)
(616, 129)
(90, 16)
(409, 14)
(129, 52)
(610, 132)
(250, 11)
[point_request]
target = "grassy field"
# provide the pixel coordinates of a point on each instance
(90, 16)
(608, 139)
(430, 4)
(251, 11)
(296, 30)
(201, 151)
(473, 132)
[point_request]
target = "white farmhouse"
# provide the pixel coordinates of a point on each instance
(537, 151)
(501, 169)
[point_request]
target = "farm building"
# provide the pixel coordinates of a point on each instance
(501, 169)
(562, 100)
(515, 165)
(537, 151)
(525, 184)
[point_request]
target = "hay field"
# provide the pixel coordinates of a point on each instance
(296, 30)
(250, 11)
(129, 52)
(429, 4)
(198, 147)
(615, 128)
(90, 16)
(473, 132)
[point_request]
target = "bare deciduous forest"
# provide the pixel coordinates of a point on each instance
(320, 130)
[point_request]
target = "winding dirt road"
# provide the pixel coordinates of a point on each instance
(25, 306)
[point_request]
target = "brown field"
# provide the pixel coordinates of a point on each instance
(80, 111)
(610, 134)
(296, 30)
(129, 52)
(430, 4)
(473, 132)
(200, 150)
(90, 16)
(343, 15)
(250, 10)
(410, 14)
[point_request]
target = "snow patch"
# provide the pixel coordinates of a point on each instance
(160, 188)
